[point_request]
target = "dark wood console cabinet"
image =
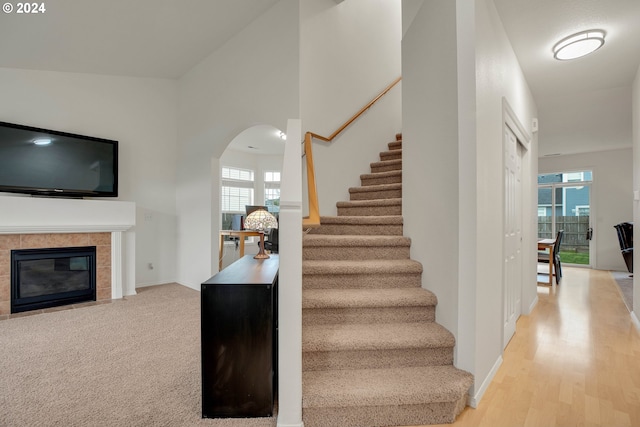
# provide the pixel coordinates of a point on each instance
(239, 339)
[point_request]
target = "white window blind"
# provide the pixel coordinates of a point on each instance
(237, 189)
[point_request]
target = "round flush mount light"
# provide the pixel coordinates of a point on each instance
(42, 141)
(578, 45)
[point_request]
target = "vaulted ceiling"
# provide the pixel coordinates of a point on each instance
(583, 105)
(139, 38)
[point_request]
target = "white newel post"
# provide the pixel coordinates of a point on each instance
(290, 283)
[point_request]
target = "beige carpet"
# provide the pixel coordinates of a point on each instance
(133, 362)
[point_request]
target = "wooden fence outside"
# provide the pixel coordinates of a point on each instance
(575, 232)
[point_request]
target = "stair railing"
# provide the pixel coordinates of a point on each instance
(313, 219)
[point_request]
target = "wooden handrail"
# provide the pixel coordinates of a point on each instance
(313, 220)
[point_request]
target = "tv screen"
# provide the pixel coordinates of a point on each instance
(53, 163)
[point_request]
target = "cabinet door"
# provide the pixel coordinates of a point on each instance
(237, 351)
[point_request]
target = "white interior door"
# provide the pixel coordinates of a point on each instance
(512, 274)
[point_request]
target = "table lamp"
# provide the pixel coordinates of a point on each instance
(260, 220)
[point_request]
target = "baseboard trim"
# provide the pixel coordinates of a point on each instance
(300, 424)
(635, 320)
(474, 400)
(532, 306)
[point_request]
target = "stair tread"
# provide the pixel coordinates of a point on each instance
(360, 298)
(353, 240)
(379, 266)
(379, 336)
(375, 187)
(383, 387)
(381, 174)
(391, 152)
(363, 220)
(387, 162)
(376, 202)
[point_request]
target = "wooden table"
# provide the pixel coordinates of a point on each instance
(544, 244)
(241, 234)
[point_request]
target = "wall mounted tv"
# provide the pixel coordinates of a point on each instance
(52, 163)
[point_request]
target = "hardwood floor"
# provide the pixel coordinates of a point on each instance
(575, 361)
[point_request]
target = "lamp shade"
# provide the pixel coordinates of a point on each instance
(260, 220)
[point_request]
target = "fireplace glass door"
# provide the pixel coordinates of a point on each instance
(42, 278)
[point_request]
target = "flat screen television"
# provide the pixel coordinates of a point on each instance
(52, 163)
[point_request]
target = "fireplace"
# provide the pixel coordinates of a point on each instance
(51, 277)
(34, 222)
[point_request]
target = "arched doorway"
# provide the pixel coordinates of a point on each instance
(249, 171)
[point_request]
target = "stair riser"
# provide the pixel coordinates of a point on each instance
(377, 168)
(370, 210)
(376, 359)
(354, 253)
(397, 145)
(361, 281)
(363, 230)
(392, 415)
(327, 316)
(395, 179)
(374, 195)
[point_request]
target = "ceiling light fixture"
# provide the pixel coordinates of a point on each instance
(42, 141)
(282, 135)
(578, 45)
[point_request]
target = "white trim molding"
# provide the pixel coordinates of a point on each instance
(31, 215)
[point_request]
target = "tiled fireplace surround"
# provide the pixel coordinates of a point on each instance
(102, 242)
(29, 223)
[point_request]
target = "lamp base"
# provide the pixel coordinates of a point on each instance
(261, 254)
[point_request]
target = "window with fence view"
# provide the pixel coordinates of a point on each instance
(564, 204)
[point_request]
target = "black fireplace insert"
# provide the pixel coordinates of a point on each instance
(43, 278)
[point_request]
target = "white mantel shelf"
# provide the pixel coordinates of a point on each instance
(22, 215)
(30, 215)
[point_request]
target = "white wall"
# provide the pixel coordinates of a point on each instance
(139, 113)
(499, 77)
(611, 197)
(349, 52)
(430, 151)
(251, 80)
(636, 186)
(453, 128)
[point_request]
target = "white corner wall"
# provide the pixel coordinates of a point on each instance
(349, 53)
(138, 112)
(636, 186)
(453, 181)
(251, 80)
(611, 197)
(499, 76)
(430, 152)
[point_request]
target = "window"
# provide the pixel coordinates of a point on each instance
(237, 191)
(564, 203)
(582, 210)
(272, 191)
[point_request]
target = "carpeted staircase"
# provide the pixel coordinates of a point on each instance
(373, 354)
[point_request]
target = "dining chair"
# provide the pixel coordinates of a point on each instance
(543, 257)
(272, 243)
(625, 238)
